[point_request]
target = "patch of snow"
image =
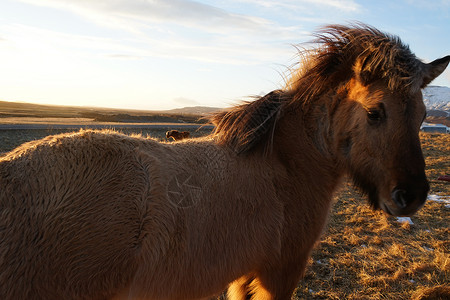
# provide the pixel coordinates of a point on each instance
(440, 199)
(427, 249)
(405, 220)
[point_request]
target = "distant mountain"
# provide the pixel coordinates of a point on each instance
(437, 101)
(193, 110)
(20, 110)
(437, 98)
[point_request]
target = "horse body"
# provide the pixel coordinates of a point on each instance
(177, 135)
(100, 215)
(148, 224)
(212, 226)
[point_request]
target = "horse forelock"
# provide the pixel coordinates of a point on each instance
(355, 51)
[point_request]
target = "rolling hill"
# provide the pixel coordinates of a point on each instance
(436, 99)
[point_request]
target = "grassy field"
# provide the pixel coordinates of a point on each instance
(365, 254)
(11, 138)
(43, 120)
(44, 112)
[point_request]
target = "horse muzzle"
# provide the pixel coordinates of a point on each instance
(406, 200)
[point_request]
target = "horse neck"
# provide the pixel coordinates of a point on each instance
(306, 176)
(302, 144)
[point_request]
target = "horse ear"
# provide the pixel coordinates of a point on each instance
(434, 69)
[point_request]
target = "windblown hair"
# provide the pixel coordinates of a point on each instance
(243, 126)
(343, 52)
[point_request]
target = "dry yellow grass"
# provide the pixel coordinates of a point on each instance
(46, 121)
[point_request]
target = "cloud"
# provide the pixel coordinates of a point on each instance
(429, 5)
(186, 101)
(305, 5)
(343, 5)
(136, 15)
(184, 29)
(37, 40)
(123, 56)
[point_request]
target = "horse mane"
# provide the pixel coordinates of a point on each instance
(343, 52)
(243, 126)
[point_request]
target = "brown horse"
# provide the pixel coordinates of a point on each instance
(177, 135)
(100, 215)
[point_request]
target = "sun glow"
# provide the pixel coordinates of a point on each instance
(146, 55)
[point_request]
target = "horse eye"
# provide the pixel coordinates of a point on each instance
(374, 115)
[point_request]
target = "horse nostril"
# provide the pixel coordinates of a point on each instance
(399, 198)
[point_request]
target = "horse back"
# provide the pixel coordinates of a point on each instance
(71, 213)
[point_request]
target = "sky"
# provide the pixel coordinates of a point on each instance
(164, 54)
